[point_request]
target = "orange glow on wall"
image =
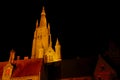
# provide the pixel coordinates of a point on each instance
(42, 42)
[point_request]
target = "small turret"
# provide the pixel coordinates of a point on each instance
(50, 44)
(58, 49)
(57, 42)
(12, 56)
(49, 28)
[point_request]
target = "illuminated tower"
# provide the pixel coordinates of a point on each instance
(58, 49)
(42, 42)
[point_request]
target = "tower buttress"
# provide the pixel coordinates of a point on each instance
(34, 41)
(50, 41)
(37, 23)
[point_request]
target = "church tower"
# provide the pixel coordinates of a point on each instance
(42, 42)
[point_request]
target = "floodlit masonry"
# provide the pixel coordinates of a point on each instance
(42, 42)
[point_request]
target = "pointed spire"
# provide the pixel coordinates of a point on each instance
(43, 21)
(48, 28)
(43, 11)
(37, 23)
(57, 42)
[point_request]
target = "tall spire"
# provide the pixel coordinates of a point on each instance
(43, 22)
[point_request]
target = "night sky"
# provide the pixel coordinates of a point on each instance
(84, 28)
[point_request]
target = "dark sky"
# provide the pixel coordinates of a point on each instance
(84, 28)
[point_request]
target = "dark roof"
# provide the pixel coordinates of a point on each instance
(114, 63)
(78, 67)
(112, 56)
(24, 67)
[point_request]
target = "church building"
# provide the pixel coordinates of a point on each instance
(42, 53)
(42, 42)
(46, 63)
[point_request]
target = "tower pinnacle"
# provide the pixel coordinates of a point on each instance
(43, 11)
(43, 22)
(57, 42)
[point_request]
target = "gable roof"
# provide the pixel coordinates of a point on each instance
(21, 68)
(102, 63)
(78, 67)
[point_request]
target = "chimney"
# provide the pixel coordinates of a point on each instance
(25, 57)
(18, 57)
(12, 56)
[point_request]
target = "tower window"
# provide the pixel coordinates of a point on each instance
(39, 36)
